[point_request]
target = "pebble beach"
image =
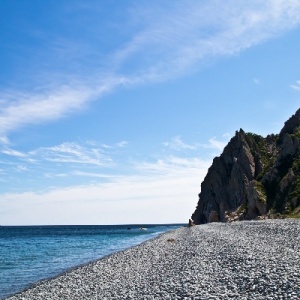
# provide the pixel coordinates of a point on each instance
(241, 260)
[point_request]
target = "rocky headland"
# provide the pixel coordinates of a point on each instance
(254, 178)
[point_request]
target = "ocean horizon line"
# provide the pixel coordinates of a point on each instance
(123, 224)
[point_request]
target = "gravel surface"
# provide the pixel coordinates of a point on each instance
(242, 260)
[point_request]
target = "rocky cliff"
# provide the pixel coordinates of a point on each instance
(255, 177)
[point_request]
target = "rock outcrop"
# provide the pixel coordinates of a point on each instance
(255, 177)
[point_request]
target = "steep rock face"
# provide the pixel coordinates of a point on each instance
(254, 176)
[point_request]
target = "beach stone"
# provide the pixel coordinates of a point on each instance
(241, 260)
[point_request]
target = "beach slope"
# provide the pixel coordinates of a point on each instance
(242, 260)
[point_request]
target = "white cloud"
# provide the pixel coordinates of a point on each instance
(122, 144)
(165, 192)
(177, 144)
(21, 109)
(21, 168)
(213, 143)
(188, 33)
(15, 153)
(36, 108)
(4, 140)
(296, 86)
(48, 175)
(89, 174)
(173, 40)
(172, 165)
(227, 135)
(72, 153)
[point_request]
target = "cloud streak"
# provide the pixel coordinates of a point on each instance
(21, 109)
(296, 86)
(177, 144)
(192, 32)
(213, 143)
(171, 42)
(68, 154)
(73, 153)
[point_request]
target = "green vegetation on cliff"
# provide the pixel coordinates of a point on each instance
(260, 174)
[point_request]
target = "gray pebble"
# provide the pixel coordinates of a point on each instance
(242, 260)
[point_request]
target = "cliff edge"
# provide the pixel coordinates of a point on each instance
(255, 177)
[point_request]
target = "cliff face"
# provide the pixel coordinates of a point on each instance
(254, 176)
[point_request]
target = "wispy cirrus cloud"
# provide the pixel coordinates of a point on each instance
(122, 144)
(15, 153)
(95, 175)
(169, 41)
(21, 168)
(70, 153)
(179, 37)
(172, 165)
(213, 143)
(177, 143)
(21, 109)
(66, 163)
(296, 85)
(73, 153)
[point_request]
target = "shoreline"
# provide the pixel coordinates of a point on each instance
(85, 264)
(239, 260)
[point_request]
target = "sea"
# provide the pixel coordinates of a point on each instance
(29, 254)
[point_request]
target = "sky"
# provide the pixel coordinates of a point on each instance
(111, 112)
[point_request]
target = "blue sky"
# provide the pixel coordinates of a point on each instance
(112, 111)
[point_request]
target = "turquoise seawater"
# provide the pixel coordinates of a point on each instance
(32, 253)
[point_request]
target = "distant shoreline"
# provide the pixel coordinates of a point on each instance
(242, 260)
